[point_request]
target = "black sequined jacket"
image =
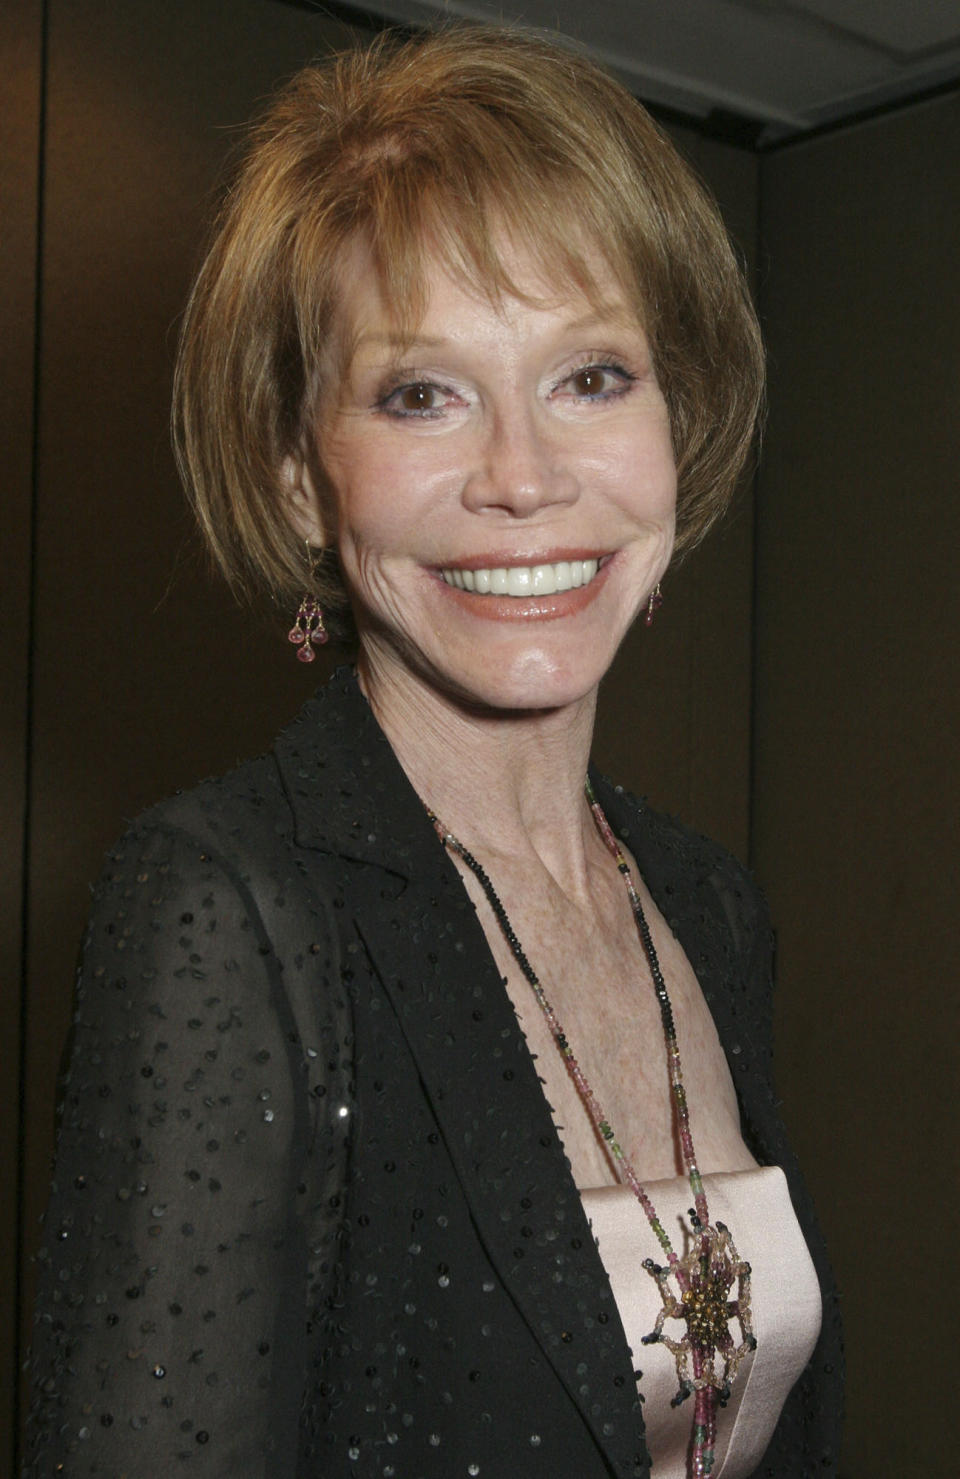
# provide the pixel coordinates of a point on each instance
(311, 1216)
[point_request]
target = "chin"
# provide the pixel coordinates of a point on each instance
(539, 667)
(530, 681)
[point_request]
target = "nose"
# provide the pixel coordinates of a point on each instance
(519, 467)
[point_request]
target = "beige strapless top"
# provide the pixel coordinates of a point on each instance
(785, 1301)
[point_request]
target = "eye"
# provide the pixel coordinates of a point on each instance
(416, 398)
(598, 381)
(419, 397)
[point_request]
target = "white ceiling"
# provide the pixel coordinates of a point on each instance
(785, 65)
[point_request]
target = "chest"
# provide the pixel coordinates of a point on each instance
(597, 978)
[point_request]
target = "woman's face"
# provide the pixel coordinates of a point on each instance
(503, 487)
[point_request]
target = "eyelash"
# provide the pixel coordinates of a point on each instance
(428, 413)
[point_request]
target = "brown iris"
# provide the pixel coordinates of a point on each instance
(417, 397)
(591, 381)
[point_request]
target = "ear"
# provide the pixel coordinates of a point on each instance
(302, 501)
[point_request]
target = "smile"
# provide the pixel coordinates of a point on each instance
(524, 580)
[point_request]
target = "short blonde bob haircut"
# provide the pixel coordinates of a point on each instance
(444, 142)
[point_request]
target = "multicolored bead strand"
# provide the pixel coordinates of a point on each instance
(707, 1358)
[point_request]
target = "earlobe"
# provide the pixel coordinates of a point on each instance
(302, 500)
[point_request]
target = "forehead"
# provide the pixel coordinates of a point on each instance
(443, 294)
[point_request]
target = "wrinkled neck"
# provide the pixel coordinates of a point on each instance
(505, 783)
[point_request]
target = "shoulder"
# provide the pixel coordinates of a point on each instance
(189, 876)
(210, 882)
(211, 847)
(234, 813)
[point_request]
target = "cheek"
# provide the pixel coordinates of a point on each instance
(379, 489)
(658, 467)
(358, 484)
(670, 488)
(375, 532)
(640, 476)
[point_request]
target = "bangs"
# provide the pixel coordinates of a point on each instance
(478, 217)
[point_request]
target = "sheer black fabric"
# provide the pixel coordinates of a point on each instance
(310, 1213)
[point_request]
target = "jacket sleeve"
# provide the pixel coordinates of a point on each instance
(170, 1316)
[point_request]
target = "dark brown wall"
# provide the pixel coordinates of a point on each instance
(20, 78)
(856, 707)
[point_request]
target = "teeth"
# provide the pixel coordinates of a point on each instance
(524, 580)
(520, 580)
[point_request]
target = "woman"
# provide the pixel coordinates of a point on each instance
(400, 1052)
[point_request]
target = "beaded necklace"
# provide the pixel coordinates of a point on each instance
(695, 1288)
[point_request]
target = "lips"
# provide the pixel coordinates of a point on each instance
(523, 580)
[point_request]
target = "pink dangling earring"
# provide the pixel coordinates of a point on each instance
(308, 627)
(653, 605)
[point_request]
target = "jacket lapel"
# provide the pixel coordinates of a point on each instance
(484, 1092)
(351, 798)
